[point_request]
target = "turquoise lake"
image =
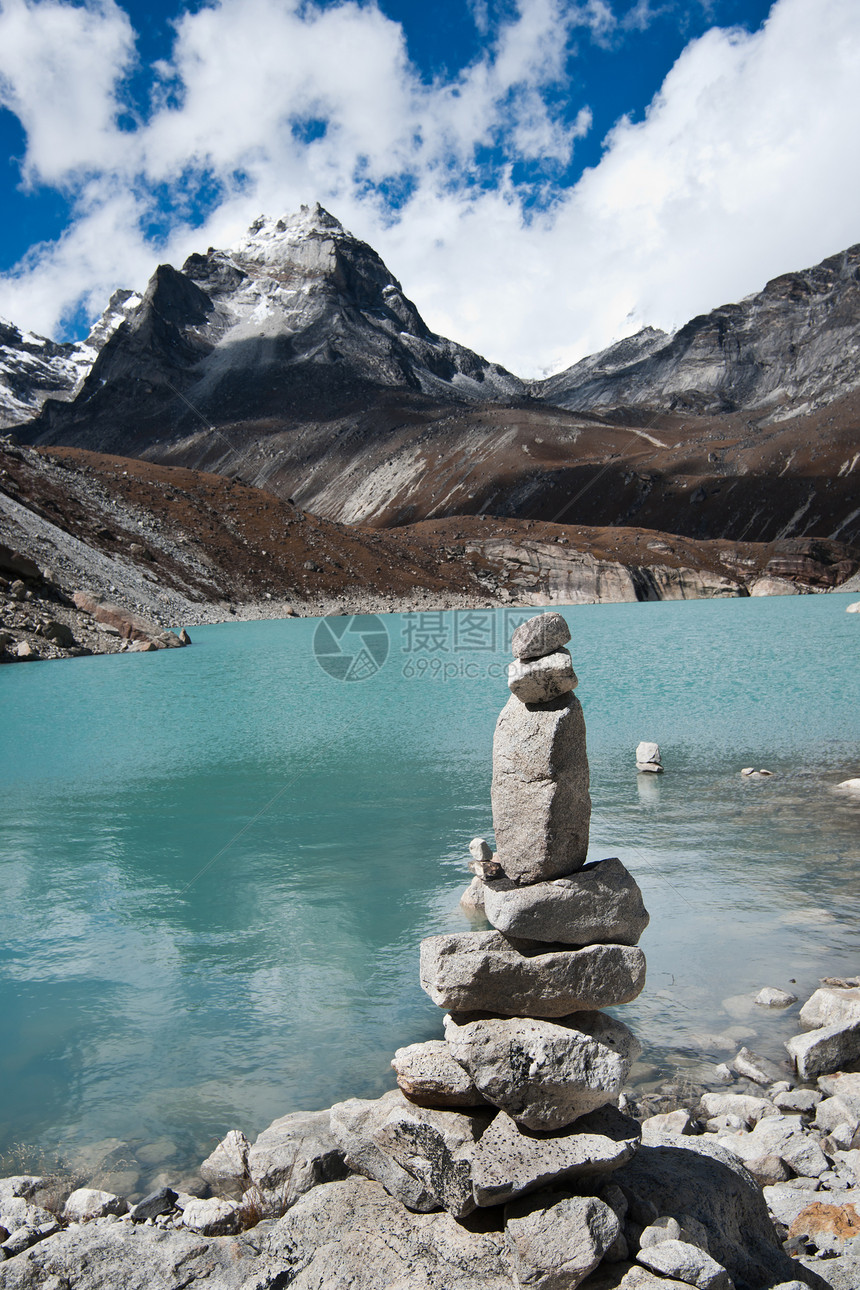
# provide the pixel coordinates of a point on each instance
(216, 863)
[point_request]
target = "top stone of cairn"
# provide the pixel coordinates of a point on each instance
(541, 635)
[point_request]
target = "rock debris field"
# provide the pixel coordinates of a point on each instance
(510, 1153)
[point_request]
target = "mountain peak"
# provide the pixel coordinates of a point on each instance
(270, 240)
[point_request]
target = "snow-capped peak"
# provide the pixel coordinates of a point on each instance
(273, 241)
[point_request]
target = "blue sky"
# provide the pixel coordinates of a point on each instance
(543, 176)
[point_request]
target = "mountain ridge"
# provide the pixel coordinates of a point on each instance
(294, 361)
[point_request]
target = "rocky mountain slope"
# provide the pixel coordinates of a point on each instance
(784, 352)
(33, 369)
(179, 547)
(294, 362)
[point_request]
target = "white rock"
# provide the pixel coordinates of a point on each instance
(213, 1217)
(686, 1263)
(89, 1202)
(511, 1161)
(648, 753)
(853, 609)
(541, 679)
(770, 997)
(656, 1126)
(541, 635)
(428, 1075)
(541, 805)
(825, 1050)
(600, 903)
(850, 785)
(226, 1169)
(472, 899)
(831, 1006)
(556, 1240)
(485, 972)
(545, 1074)
(750, 1109)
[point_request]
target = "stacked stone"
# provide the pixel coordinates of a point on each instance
(522, 1093)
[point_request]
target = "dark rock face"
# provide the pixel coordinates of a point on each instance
(298, 320)
(33, 369)
(294, 362)
(792, 347)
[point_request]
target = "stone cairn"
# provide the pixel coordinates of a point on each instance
(517, 1106)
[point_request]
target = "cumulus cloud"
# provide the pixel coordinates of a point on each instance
(739, 170)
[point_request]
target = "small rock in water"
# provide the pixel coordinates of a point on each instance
(648, 758)
(750, 772)
(541, 635)
(770, 997)
(541, 679)
(758, 1069)
(472, 899)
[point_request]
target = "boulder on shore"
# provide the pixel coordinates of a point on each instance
(510, 1161)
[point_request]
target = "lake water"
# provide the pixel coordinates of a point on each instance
(216, 863)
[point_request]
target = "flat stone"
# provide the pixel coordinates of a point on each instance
(782, 1137)
(487, 972)
(510, 1161)
(556, 1240)
(799, 1100)
(353, 1234)
(541, 679)
(111, 1256)
(748, 1108)
(421, 1155)
(770, 997)
(89, 1202)
(823, 1051)
(539, 636)
(830, 1006)
(295, 1153)
(429, 1076)
(541, 805)
(844, 1084)
(545, 1074)
(600, 903)
(686, 1263)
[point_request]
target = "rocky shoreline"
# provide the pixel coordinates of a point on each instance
(515, 1151)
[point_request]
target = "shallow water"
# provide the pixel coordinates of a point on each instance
(217, 862)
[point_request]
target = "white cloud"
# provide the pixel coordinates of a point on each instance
(59, 69)
(741, 169)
